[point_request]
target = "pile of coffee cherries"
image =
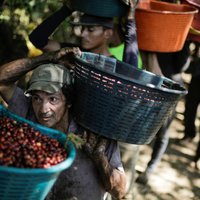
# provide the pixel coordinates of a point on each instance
(23, 146)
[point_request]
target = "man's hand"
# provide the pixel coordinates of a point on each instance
(114, 180)
(65, 56)
(131, 11)
(95, 145)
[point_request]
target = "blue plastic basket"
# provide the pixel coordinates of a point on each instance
(121, 102)
(102, 8)
(32, 184)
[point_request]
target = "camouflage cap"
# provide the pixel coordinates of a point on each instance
(49, 78)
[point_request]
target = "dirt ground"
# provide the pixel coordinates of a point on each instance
(175, 177)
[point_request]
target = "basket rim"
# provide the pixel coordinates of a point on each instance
(195, 10)
(123, 77)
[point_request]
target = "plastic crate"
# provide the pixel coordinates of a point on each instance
(120, 102)
(32, 184)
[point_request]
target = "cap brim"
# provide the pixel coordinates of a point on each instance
(90, 24)
(48, 87)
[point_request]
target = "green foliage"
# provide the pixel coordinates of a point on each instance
(24, 15)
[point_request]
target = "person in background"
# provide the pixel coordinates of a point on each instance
(171, 66)
(97, 168)
(193, 96)
(95, 32)
(192, 101)
(93, 28)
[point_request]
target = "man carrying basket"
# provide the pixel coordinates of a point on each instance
(97, 168)
(96, 32)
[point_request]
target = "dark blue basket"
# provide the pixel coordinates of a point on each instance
(102, 8)
(120, 102)
(32, 184)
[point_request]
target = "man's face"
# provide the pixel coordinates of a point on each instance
(49, 108)
(92, 37)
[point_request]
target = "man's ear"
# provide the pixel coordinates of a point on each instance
(108, 33)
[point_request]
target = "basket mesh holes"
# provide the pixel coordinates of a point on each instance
(109, 79)
(95, 75)
(79, 75)
(84, 73)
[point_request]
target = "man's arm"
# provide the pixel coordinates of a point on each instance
(113, 178)
(12, 71)
(150, 62)
(130, 54)
(40, 36)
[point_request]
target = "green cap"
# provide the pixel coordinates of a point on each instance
(49, 78)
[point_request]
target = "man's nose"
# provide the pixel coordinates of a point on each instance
(44, 107)
(84, 32)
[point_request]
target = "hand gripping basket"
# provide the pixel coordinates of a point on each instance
(120, 102)
(32, 184)
(161, 26)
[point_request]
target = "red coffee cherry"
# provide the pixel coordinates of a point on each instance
(24, 147)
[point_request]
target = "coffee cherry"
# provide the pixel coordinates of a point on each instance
(24, 147)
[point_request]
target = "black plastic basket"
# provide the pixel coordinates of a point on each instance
(120, 102)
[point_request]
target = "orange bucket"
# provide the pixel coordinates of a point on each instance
(161, 26)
